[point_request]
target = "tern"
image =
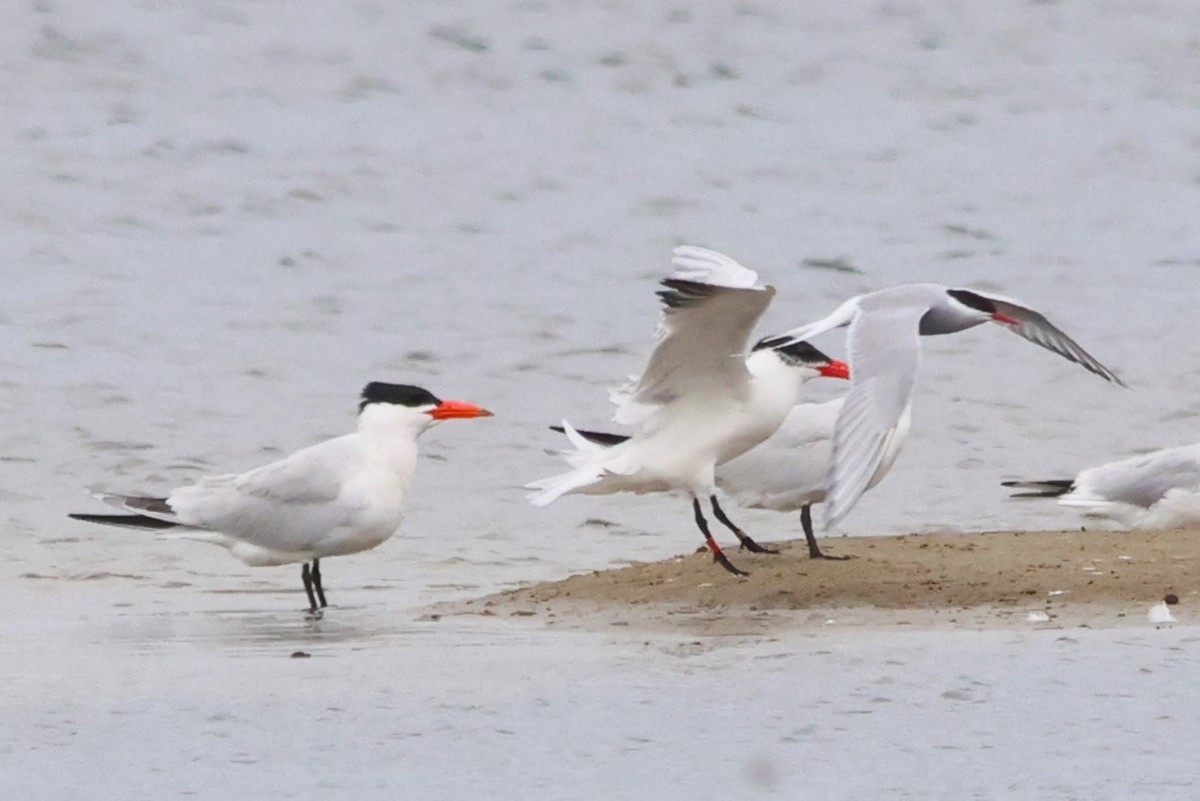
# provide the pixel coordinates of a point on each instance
(337, 497)
(1156, 490)
(701, 399)
(884, 349)
(787, 472)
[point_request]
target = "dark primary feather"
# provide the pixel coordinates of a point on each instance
(972, 300)
(1034, 327)
(129, 521)
(598, 437)
(680, 294)
(1050, 488)
(701, 327)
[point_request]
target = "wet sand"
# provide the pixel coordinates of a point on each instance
(982, 580)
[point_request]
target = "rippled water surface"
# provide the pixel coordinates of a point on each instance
(223, 218)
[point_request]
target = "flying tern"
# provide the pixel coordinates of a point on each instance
(787, 471)
(884, 349)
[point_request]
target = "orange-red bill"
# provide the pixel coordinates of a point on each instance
(836, 368)
(455, 408)
(1001, 317)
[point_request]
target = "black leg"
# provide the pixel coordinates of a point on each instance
(814, 552)
(718, 555)
(316, 579)
(306, 576)
(744, 538)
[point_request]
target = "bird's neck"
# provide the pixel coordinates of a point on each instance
(775, 383)
(390, 445)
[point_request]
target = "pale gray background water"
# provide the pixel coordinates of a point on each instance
(222, 218)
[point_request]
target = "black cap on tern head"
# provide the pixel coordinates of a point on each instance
(796, 352)
(397, 394)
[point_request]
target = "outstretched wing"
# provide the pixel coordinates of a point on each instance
(885, 354)
(1034, 326)
(839, 317)
(710, 307)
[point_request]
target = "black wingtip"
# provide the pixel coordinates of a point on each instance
(129, 521)
(1050, 488)
(598, 437)
(681, 293)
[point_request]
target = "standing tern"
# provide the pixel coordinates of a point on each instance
(885, 353)
(1155, 490)
(337, 497)
(701, 400)
(787, 471)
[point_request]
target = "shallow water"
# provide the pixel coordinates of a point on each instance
(213, 703)
(225, 218)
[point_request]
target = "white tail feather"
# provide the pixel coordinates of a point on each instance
(552, 488)
(706, 266)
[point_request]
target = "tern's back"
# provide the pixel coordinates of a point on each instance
(945, 313)
(1140, 480)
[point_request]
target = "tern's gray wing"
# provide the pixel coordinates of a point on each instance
(1034, 326)
(885, 353)
(710, 307)
(839, 317)
(1142, 480)
(286, 506)
(314, 475)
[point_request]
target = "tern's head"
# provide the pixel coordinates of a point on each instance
(800, 355)
(414, 405)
